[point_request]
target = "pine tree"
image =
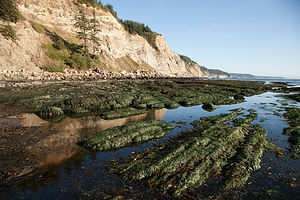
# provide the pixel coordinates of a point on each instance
(94, 29)
(9, 11)
(82, 23)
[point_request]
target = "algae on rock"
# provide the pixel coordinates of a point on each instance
(209, 106)
(104, 97)
(188, 162)
(247, 160)
(51, 112)
(293, 116)
(126, 135)
(120, 113)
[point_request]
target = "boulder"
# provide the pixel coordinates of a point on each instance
(50, 113)
(209, 106)
(239, 97)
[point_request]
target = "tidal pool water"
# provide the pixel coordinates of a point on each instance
(67, 171)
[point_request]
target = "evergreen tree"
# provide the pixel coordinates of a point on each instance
(9, 11)
(82, 23)
(111, 10)
(94, 29)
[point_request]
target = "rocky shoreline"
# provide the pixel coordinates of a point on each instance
(72, 74)
(22, 78)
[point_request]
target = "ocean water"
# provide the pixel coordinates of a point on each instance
(295, 82)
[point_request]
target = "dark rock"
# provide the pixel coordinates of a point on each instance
(239, 97)
(209, 106)
(295, 138)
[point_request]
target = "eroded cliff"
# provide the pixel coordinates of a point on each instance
(118, 50)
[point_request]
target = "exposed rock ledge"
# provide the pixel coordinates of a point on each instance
(22, 77)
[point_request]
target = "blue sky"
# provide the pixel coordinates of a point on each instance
(260, 37)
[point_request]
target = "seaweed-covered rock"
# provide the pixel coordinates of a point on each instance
(120, 113)
(187, 162)
(295, 97)
(295, 138)
(293, 116)
(49, 113)
(246, 119)
(169, 103)
(214, 120)
(239, 97)
(172, 105)
(99, 97)
(144, 101)
(209, 106)
(122, 136)
(246, 160)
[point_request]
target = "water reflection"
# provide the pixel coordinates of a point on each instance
(29, 120)
(159, 114)
(61, 141)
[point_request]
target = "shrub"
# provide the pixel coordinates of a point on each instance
(217, 72)
(52, 68)
(144, 31)
(55, 53)
(73, 55)
(59, 44)
(8, 32)
(38, 27)
(9, 11)
(79, 61)
(110, 8)
(93, 3)
(187, 60)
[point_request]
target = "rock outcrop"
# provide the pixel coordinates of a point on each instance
(118, 49)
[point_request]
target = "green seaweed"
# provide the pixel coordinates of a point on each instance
(295, 97)
(188, 161)
(102, 97)
(247, 160)
(126, 135)
(120, 113)
(293, 116)
(50, 113)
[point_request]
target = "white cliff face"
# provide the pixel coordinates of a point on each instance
(116, 44)
(25, 53)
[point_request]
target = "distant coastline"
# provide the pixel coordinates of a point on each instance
(268, 80)
(250, 76)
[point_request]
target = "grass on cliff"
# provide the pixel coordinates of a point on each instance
(187, 60)
(8, 32)
(52, 68)
(71, 54)
(38, 27)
